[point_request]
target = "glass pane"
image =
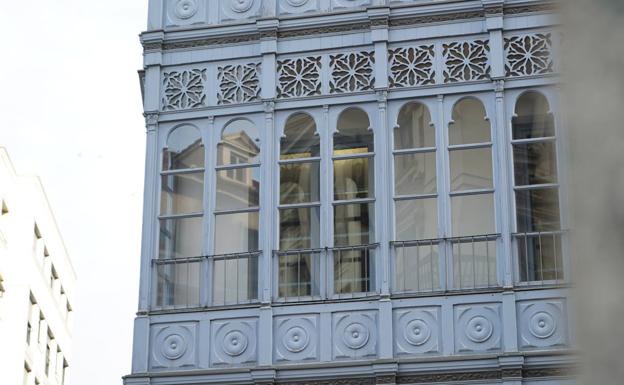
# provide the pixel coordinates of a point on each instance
(178, 284)
(299, 228)
(184, 149)
(472, 214)
(299, 183)
(474, 264)
(300, 140)
(416, 219)
(236, 233)
(415, 174)
(469, 124)
(238, 188)
(532, 119)
(235, 280)
(182, 193)
(180, 237)
(414, 129)
(540, 257)
(240, 143)
(417, 268)
(352, 270)
(353, 178)
(537, 210)
(535, 163)
(471, 169)
(354, 224)
(353, 133)
(299, 274)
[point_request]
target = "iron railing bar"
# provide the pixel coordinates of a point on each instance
(554, 240)
(431, 263)
(541, 255)
(418, 268)
(474, 267)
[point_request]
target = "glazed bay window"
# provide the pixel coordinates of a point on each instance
(180, 221)
(538, 236)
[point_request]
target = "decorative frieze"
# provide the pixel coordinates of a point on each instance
(411, 66)
(466, 61)
(299, 77)
(352, 72)
(528, 55)
(238, 83)
(184, 89)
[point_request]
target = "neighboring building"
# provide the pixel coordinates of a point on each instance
(353, 192)
(37, 283)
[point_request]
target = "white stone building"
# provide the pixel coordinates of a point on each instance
(37, 283)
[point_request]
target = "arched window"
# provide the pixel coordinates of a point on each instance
(472, 196)
(415, 199)
(353, 202)
(299, 208)
(235, 263)
(180, 220)
(536, 190)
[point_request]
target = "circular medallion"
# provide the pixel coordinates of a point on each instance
(186, 9)
(417, 332)
(234, 343)
(173, 346)
(479, 329)
(355, 335)
(542, 325)
(296, 339)
(296, 3)
(241, 5)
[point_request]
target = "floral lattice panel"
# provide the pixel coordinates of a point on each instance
(238, 83)
(184, 89)
(528, 55)
(411, 66)
(299, 77)
(351, 72)
(466, 61)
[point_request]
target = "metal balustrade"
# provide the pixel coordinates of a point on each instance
(539, 257)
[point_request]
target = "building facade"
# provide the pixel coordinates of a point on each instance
(353, 192)
(37, 283)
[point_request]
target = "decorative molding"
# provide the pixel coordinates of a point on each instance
(296, 338)
(385, 379)
(355, 335)
(544, 7)
(449, 377)
(151, 119)
(299, 77)
(183, 89)
(541, 323)
(352, 72)
(174, 345)
(238, 83)
(466, 61)
(427, 19)
(417, 330)
(329, 29)
(411, 66)
(566, 371)
(478, 328)
(528, 55)
(234, 341)
(185, 9)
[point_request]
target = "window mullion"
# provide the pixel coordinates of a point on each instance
(444, 200)
(210, 190)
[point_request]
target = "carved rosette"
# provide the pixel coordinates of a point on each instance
(184, 89)
(411, 66)
(185, 12)
(234, 341)
(466, 61)
(478, 328)
(417, 331)
(238, 83)
(541, 323)
(297, 6)
(299, 77)
(352, 72)
(341, 4)
(239, 9)
(528, 55)
(296, 338)
(355, 335)
(173, 345)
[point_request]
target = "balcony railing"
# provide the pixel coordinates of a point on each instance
(539, 257)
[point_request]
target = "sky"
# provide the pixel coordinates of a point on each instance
(70, 108)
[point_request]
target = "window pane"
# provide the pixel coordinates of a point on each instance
(240, 143)
(235, 280)
(300, 140)
(236, 233)
(417, 268)
(537, 210)
(180, 237)
(178, 284)
(472, 214)
(299, 228)
(416, 219)
(471, 169)
(354, 224)
(540, 257)
(415, 173)
(238, 188)
(299, 183)
(182, 193)
(353, 178)
(474, 264)
(414, 129)
(184, 149)
(299, 274)
(532, 119)
(353, 132)
(469, 124)
(534, 163)
(352, 270)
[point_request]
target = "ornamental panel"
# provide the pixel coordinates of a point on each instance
(466, 61)
(184, 89)
(299, 77)
(239, 9)
(185, 12)
(341, 4)
(174, 346)
(296, 338)
(234, 341)
(238, 83)
(297, 6)
(352, 72)
(527, 55)
(541, 324)
(411, 66)
(478, 328)
(354, 335)
(417, 331)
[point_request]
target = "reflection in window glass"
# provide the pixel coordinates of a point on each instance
(299, 182)
(414, 128)
(353, 224)
(235, 192)
(236, 233)
(472, 214)
(182, 193)
(532, 118)
(352, 270)
(540, 257)
(299, 274)
(180, 237)
(300, 139)
(415, 174)
(417, 268)
(471, 169)
(240, 138)
(474, 264)
(299, 228)
(184, 149)
(416, 219)
(353, 134)
(235, 280)
(537, 209)
(469, 124)
(352, 178)
(534, 163)
(178, 284)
